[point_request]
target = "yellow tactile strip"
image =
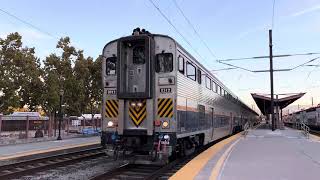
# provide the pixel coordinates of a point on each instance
(191, 169)
(216, 171)
(30, 153)
(314, 137)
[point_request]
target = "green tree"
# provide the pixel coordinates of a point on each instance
(20, 75)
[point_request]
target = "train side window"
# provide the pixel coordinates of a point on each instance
(191, 71)
(164, 62)
(181, 64)
(199, 76)
(215, 87)
(111, 65)
(220, 90)
(208, 82)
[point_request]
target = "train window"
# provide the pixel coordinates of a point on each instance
(191, 71)
(181, 64)
(164, 62)
(111, 64)
(139, 56)
(221, 91)
(208, 82)
(199, 76)
(214, 86)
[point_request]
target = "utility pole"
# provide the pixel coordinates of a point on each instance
(312, 101)
(271, 80)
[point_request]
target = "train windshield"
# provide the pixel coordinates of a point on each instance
(139, 56)
(164, 62)
(111, 64)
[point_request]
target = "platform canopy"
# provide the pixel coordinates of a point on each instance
(264, 101)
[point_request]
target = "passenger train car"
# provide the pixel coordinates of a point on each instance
(310, 116)
(159, 101)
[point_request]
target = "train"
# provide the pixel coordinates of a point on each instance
(160, 102)
(309, 116)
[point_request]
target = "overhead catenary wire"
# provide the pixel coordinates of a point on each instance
(176, 29)
(193, 28)
(272, 21)
(28, 23)
(315, 67)
(276, 70)
(305, 63)
(265, 57)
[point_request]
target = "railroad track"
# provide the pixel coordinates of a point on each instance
(151, 172)
(33, 166)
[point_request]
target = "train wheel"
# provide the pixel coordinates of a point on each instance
(181, 149)
(189, 147)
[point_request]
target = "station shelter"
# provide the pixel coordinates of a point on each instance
(280, 102)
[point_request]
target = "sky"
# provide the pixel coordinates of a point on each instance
(230, 28)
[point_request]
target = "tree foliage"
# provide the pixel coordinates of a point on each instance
(25, 81)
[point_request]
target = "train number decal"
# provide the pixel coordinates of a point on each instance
(112, 92)
(165, 90)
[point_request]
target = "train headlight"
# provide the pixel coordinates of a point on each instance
(110, 124)
(165, 124)
(166, 137)
(139, 104)
(133, 104)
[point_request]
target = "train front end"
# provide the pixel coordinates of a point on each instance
(130, 101)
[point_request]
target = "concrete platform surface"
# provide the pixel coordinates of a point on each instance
(36, 149)
(262, 154)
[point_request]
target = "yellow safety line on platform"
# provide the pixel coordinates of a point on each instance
(217, 168)
(29, 153)
(314, 138)
(191, 169)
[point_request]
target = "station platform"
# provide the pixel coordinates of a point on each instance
(27, 151)
(261, 154)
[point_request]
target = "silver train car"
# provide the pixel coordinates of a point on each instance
(310, 117)
(160, 102)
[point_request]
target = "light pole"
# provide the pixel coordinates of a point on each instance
(60, 113)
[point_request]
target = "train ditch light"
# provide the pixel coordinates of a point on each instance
(165, 124)
(110, 124)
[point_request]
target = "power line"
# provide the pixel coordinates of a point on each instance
(238, 67)
(28, 23)
(32, 25)
(315, 67)
(223, 69)
(275, 70)
(306, 63)
(176, 29)
(194, 29)
(275, 56)
(274, 2)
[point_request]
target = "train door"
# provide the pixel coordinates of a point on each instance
(212, 122)
(135, 84)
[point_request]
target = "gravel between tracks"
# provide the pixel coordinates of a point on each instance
(79, 171)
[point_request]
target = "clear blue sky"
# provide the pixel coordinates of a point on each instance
(231, 29)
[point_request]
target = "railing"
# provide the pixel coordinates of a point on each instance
(305, 129)
(246, 128)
